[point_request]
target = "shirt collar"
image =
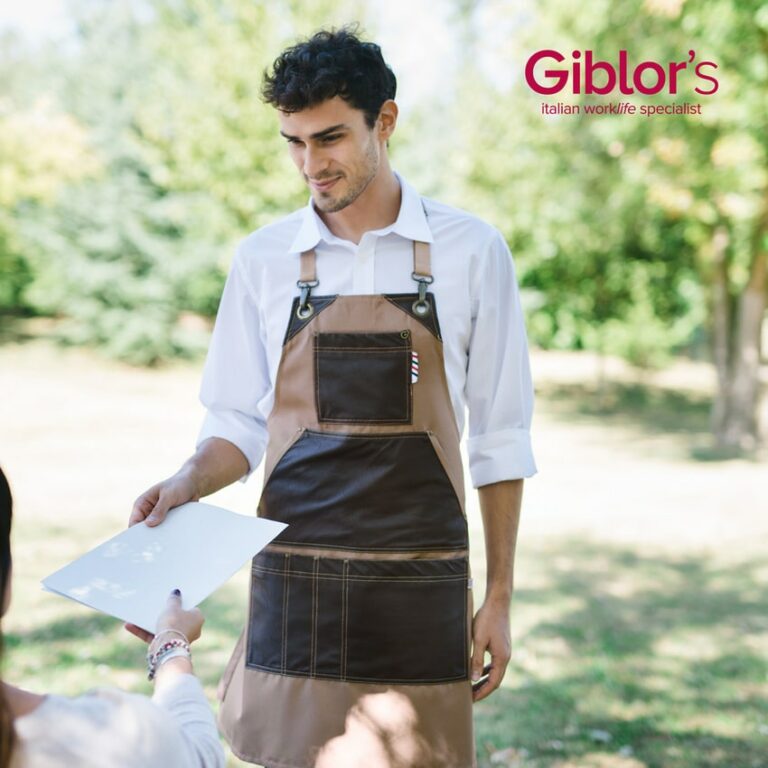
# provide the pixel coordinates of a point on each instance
(411, 222)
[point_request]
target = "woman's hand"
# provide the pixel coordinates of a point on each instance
(189, 623)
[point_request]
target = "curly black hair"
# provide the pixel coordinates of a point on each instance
(331, 63)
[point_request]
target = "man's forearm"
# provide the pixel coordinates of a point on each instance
(500, 507)
(216, 464)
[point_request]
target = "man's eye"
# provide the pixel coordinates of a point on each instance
(293, 141)
(329, 139)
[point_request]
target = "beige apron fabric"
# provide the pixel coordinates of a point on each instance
(325, 673)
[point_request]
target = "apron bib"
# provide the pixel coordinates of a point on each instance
(357, 646)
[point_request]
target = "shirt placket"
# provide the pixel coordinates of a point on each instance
(363, 265)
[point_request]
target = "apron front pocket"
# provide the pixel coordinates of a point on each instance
(406, 621)
(375, 621)
(363, 378)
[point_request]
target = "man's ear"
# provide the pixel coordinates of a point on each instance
(385, 125)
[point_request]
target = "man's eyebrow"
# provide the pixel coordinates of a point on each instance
(319, 134)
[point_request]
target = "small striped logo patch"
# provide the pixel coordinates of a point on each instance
(414, 367)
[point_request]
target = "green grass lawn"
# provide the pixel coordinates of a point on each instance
(640, 616)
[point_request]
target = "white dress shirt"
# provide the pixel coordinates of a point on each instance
(478, 308)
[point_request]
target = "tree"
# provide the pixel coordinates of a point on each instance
(41, 150)
(190, 162)
(633, 231)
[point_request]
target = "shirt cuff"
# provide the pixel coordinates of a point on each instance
(503, 455)
(241, 430)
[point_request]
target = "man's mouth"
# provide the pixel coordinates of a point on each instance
(324, 184)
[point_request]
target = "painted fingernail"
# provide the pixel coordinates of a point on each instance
(176, 592)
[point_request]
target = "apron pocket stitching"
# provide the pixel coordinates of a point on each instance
(341, 577)
(345, 618)
(313, 646)
(286, 586)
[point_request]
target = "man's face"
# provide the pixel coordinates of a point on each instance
(334, 150)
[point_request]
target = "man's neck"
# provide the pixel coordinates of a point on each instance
(376, 207)
(21, 702)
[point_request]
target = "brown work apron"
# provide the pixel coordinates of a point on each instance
(357, 647)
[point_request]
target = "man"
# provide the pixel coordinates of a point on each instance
(350, 337)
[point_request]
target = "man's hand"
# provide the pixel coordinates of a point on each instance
(153, 504)
(490, 632)
(216, 464)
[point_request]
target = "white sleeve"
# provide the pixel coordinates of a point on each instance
(109, 727)
(183, 698)
(236, 376)
(498, 390)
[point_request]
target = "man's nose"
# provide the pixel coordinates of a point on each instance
(315, 161)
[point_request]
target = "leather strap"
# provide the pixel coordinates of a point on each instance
(308, 270)
(421, 262)
(421, 258)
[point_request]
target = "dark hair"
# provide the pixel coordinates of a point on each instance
(7, 735)
(331, 63)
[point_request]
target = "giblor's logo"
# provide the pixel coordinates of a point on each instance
(586, 75)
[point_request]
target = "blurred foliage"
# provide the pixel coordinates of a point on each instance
(610, 218)
(158, 157)
(135, 154)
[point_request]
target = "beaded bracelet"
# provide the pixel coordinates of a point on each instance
(156, 658)
(168, 632)
(155, 661)
(172, 631)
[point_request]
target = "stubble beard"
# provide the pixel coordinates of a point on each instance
(358, 186)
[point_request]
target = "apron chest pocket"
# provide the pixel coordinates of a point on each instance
(363, 377)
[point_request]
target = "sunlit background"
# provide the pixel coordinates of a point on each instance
(135, 153)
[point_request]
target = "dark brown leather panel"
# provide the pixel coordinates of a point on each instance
(405, 302)
(361, 620)
(296, 323)
(364, 341)
(365, 492)
(363, 378)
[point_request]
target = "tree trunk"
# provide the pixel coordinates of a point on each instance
(737, 347)
(721, 330)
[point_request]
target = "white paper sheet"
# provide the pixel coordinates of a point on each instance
(195, 549)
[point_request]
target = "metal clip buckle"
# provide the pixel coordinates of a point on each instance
(421, 306)
(305, 309)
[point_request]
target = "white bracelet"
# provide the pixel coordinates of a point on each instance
(167, 650)
(175, 654)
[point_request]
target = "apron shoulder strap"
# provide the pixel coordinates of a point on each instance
(422, 274)
(308, 268)
(422, 270)
(306, 282)
(421, 265)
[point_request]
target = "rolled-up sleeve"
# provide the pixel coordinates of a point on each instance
(236, 377)
(498, 390)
